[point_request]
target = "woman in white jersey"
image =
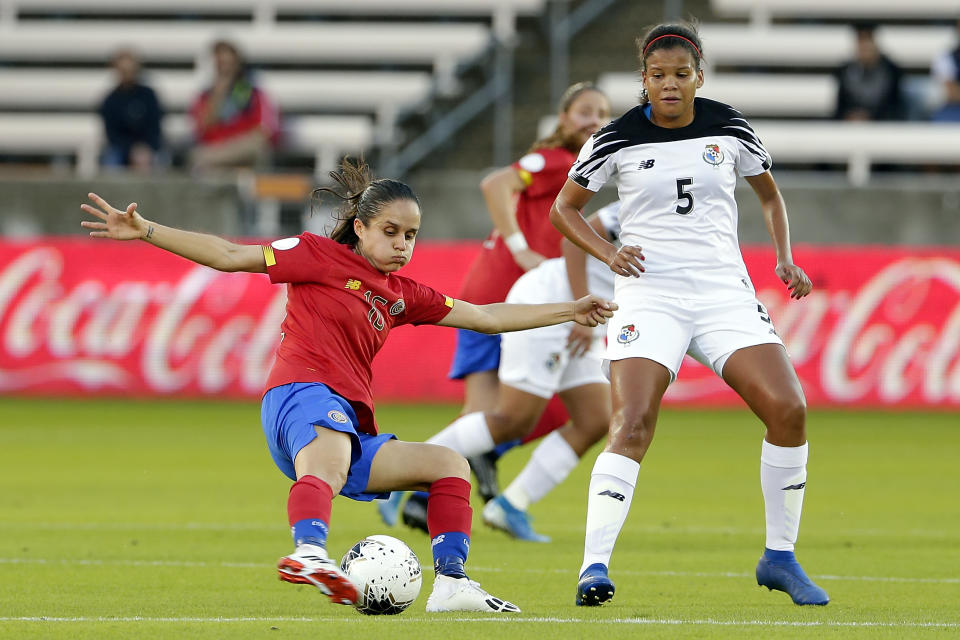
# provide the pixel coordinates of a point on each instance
(535, 365)
(675, 159)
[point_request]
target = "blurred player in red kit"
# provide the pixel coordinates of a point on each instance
(518, 199)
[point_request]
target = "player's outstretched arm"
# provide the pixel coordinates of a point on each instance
(501, 317)
(205, 249)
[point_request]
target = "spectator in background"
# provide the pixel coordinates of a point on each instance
(234, 122)
(131, 117)
(946, 73)
(868, 87)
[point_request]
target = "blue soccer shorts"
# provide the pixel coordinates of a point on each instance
(289, 414)
(475, 352)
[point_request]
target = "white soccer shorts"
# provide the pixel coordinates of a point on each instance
(537, 361)
(664, 329)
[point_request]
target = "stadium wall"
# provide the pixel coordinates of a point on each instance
(82, 317)
(824, 208)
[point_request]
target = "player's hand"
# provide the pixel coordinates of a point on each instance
(627, 261)
(528, 259)
(115, 224)
(591, 310)
(579, 340)
(796, 280)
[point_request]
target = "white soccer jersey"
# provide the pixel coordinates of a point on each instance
(676, 187)
(548, 282)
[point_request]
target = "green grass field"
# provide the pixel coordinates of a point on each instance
(150, 519)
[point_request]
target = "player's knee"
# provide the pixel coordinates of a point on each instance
(505, 427)
(334, 478)
(789, 417)
(632, 428)
(793, 412)
(447, 463)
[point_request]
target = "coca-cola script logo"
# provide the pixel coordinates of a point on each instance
(881, 327)
(66, 325)
(892, 338)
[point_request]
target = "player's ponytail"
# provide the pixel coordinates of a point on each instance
(361, 197)
(668, 36)
(559, 138)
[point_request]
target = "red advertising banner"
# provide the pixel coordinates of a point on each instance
(882, 327)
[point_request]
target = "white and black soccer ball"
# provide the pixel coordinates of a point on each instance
(386, 572)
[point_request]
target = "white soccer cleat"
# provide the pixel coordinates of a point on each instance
(309, 564)
(463, 594)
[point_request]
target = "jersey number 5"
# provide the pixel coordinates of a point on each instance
(684, 197)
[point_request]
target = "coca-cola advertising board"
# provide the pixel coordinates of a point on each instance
(78, 316)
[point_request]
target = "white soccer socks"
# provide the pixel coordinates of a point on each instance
(611, 492)
(551, 463)
(783, 476)
(467, 435)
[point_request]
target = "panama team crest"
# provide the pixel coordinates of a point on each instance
(712, 154)
(553, 361)
(628, 334)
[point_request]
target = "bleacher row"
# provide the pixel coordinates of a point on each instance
(341, 83)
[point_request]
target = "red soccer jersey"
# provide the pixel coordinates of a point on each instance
(494, 271)
(339, 312)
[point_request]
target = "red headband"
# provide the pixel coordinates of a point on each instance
(671, 35)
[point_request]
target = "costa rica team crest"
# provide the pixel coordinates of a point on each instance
(628, 334)
(712, 154)
(338, 416)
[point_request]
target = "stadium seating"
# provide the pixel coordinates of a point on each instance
(502, 13)
(762, 11)
(389, 63)
(860, 144)
(440, 46)
(376, 93)
(320, 138)
(818, 45)
(342, 81)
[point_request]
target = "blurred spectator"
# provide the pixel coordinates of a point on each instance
(946, 73)
(234, 122)
(868, 87)
(131, 117)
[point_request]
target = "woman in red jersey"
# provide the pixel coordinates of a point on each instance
(317, 412)
(518, 199)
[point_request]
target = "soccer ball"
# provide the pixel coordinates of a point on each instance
(386, 572)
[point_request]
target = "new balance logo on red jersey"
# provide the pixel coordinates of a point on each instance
(795, 486)
(612, 494)
(353, 285)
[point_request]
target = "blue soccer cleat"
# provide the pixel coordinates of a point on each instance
(594, 587)
(780, 570)
(500, 514)
(389, 509)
